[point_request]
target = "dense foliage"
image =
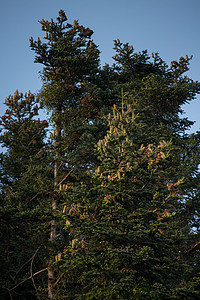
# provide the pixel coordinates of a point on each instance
(102, 201)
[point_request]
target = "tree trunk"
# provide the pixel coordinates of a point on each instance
(53, 234)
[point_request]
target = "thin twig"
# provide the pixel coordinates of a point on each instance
(35, 196)
(65, 177)
(58, 279)
(31, 270)
(23, 265)
(10, 295)
(30, 277)
(3, 287)
(193, 247)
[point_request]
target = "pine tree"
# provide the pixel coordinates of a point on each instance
(157, 92)
(22, 135)
(109, 204)
(24, 213)
(127, 239)
(73, 92)
(76, 91)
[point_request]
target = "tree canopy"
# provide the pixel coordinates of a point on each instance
(100, 201)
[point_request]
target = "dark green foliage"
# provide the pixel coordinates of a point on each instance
(22, 134)
(109, 203)
(24, 210)
(76, 91)
(156, 91)
(126, 242)
(132, 226)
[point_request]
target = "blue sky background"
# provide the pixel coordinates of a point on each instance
(170, 27)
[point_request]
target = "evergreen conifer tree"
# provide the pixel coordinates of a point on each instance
(109, 204)
(125, 225)
(167, 195)
(24, 213)
(73, 92)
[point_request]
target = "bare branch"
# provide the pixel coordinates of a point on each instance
(65, 177)
(30, 277)
(58, 279)
(3, 287)
(193, 247)
(31, 270)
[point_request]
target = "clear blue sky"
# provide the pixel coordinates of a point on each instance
(170, 27)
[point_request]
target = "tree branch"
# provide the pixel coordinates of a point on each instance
(65, 177)
(31, 270)
(58, 279)
(30, 277)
